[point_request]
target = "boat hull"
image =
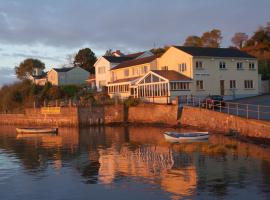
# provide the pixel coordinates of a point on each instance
(186, 137)
(36, 130)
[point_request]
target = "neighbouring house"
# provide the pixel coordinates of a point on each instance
(91, 82)
(38, 77)
(182, 71)
(105, 63)
(67, 76)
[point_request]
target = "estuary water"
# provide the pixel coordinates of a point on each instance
(129, 163)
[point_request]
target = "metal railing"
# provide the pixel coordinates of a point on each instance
(249, 111)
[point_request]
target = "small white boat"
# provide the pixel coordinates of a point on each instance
(186, 137)
(37, 130)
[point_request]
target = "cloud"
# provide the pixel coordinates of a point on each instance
(7, 75)
(24, 56)
(136, 24)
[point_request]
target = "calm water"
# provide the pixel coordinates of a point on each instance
(129, 163)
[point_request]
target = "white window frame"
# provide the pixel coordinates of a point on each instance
(249, 84)
(239, 65)
(222, 65)
(199, 85)
(199, 65)
(232, 84)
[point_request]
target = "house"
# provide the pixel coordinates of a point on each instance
(67, 76)
(183, 71)
(38, 77)
(105, 63)
(215, 71)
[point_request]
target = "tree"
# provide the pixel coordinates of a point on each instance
(86, 58)
(26, 68)
(239, 39)
(212, 38)
(109, 52)
(208, 39)
(193, 41)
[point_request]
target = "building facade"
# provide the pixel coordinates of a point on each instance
(67, 76)
(182, 71)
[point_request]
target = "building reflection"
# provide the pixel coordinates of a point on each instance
(107, 155)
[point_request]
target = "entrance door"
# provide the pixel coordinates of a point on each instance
(222, 87)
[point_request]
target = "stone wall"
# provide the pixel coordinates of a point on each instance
(216, 121)
(153, 113)
(91, 116)
(33, 117)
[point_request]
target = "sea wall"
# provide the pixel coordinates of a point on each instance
(222, 122)
(33, 117)
(154, 114)
(92, 116)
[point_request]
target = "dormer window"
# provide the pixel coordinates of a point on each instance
(222, 65)
(239, 65)
(199, 65)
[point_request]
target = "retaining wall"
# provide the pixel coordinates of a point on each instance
(153, 113)
(89, 116)
(223, 122)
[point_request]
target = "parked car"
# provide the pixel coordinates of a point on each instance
(212, 102)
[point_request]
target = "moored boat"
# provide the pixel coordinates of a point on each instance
(186, 137)
(37, 130)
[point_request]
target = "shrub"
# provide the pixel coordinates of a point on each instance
(131, 101)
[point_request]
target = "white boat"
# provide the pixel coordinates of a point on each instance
(186, 137)
(37, 130)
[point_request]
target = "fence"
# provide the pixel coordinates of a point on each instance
(249, 111)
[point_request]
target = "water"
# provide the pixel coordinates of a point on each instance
(129, 163)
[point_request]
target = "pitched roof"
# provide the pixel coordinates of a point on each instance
(115, 59)
(63, 69)
(172, 75)
(135, 62)
(134, 55)
(43, 75)
(214, 52)
(125, 80)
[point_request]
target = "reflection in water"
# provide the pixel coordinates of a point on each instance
(137, 160)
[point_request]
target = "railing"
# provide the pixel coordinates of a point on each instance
(249, 111)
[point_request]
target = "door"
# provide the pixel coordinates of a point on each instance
(222, 87)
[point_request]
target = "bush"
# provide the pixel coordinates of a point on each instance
(131, 101)
(70, 90)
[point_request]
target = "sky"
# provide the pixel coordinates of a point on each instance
(52, 30)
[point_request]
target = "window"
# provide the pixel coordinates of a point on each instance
(113, 76)
(102, 83)
(101, 70)
(126, 72)
(248, 84)
(222, 65)
(145, 69)
(199, 65)
(199, 85)
(179, 86)
(239, 65)
(164, 68)
(183, 67)
(232, 84)
(251, 65)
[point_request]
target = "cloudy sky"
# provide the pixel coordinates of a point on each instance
(51, 30)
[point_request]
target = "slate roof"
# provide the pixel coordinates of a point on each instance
(172, 75)
(135, 62)
(214, 52)
(125, 80)
(64, 69)
(115, 59)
